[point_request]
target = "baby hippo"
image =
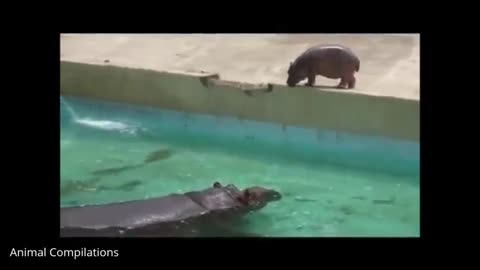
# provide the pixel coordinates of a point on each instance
(331, 61)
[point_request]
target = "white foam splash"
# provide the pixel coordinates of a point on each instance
(107, 125)
(69, 109)
(100, 124)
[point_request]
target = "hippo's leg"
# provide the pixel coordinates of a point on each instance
(351, 82)
(311, 80)
(343, 83)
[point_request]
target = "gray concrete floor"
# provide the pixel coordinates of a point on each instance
(390, 63)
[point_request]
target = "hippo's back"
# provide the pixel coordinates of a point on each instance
(329, 49)
(170, 215)
(132, 214)
(216, 198)
(333, 55)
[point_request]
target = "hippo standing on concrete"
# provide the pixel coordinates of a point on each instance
(331, 61)
(175, 215)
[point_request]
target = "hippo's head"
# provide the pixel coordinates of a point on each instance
(258, 197)
(295, 74)
(253, 198)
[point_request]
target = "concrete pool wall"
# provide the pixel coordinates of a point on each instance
(338, 110)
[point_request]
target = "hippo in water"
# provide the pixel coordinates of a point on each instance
(174, 215)
(331, 61)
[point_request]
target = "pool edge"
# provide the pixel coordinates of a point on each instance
(343, 111)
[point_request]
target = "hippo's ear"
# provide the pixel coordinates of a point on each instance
(217, 185)
(291, 63)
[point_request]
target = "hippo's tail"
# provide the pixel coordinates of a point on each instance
(358, 66)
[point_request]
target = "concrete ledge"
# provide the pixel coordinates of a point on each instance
(390, 64)
(206, 93)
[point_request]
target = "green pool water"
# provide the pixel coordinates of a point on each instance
(333, 184)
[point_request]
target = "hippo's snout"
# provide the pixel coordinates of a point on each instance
(259, 197)
(263, 194)
(274, 196)
(290, 83)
